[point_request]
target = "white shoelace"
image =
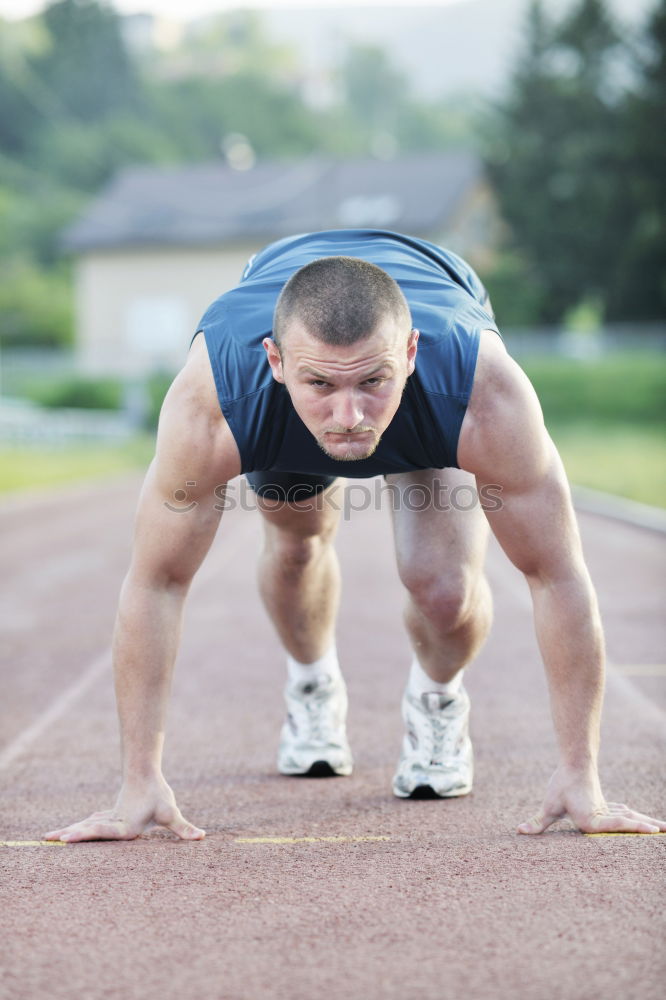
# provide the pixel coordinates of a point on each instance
(309, 712)
(442, 734)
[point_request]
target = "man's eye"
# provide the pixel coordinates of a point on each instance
(375, 380)
(318, 383)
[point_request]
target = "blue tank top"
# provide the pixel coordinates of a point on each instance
(446, 299)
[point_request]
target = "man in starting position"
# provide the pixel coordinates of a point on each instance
(360, 353)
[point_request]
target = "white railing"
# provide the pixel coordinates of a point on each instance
(24, 424)
(585, 344)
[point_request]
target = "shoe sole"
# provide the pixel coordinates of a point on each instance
(318, 769)
(428, 792)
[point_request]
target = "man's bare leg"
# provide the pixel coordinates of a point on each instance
(441, 536)
(299, 574)
(440, 557)
(299, 579)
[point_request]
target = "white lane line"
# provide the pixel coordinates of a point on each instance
(639, 669)
(639, 515)
(308, 840)
(101, 665)
(508, 580)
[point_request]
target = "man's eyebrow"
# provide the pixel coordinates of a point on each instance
(307, 370)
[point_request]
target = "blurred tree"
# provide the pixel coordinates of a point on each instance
(382, 117)
(450, 123)
(228, 77)
(86, 66)
(82, 157)
(198, 112)
(36, 306)
(33, 210)
(89, 95)
(63, 76)
(18, 116)
(556, 155)
(229, 43)
(637, 289)
(373, 89)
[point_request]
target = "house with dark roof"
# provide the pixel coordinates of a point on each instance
(159, 244)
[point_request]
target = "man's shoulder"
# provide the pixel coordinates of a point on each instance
(503, 412)
(192, 423)
(494, 377)
(193, 395)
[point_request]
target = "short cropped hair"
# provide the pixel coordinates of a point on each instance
(339, 300)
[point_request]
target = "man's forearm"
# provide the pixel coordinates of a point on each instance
(570, 637)
(145, 645)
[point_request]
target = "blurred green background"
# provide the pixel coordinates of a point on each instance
(572, 144)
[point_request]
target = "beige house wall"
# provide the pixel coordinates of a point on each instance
(137, 310)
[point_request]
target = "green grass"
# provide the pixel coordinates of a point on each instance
(36, 468)
(608, 419)
(618, 389)
(626, 460)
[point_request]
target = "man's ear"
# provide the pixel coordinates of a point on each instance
(274, 358)
(411, 351)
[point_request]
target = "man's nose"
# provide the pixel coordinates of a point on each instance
(347, 412)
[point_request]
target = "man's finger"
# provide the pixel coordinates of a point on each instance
(56, 834)
(107, 830)
(538, 823)
(187, 831)
(184, 829)
(650, 820)
(97, 833)
(618, 824)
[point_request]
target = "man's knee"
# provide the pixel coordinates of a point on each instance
(447, 600)
(295, 552)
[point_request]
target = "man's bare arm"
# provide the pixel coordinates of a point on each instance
(194, 445)
(504, 443)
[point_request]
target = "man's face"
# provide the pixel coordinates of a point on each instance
(345, 396)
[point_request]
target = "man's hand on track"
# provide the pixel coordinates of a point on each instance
(579, 796)
(136, 810)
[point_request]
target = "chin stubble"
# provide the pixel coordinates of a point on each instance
(349, 456)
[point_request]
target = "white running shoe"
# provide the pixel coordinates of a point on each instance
(436, 759)
(313, 740)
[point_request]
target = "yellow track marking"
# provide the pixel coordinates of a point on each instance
(639, 669)
(625, 833)
(32, 843)
(306, 840)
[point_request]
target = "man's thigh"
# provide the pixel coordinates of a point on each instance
(438, 524)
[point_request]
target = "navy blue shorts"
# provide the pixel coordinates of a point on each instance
(288, 487)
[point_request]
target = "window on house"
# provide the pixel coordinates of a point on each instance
(157, 325)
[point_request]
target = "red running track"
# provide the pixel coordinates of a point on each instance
(365, 896)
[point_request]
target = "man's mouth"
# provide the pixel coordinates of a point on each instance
(349, 446)
(348, 435)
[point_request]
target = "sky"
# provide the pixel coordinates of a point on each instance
(177, 10)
